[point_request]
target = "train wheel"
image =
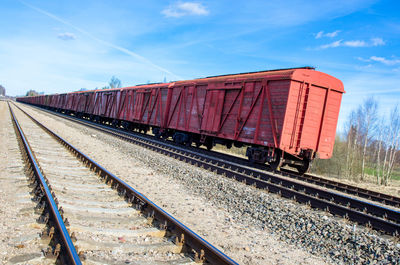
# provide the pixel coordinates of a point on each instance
(305, 167)
(209, 145)
(189, 142)
(276, 165)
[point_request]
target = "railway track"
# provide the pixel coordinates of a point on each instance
(349, 189)
(379, 217)
(98, 218)
(258, 170)
(56, 232)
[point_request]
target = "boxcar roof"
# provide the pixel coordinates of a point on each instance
(302, 74)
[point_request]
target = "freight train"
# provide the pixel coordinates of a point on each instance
(283, 117)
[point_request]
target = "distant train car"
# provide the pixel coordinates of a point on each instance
(283, 117)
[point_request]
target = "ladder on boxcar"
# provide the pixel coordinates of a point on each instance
(297, 137)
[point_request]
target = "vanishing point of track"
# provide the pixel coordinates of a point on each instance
(364, 212)
(108, 206)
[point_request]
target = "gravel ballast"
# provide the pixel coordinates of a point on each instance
(20, 241)
(250, 225)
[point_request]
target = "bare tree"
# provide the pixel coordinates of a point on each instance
(353, 136)
(368, 118)
(370, 143)
(114, 82)
(393, 142)
(381, 130)
(31, 93)
(389, 142)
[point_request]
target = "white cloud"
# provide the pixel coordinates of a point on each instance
(384, 60)
(354, 43)
(332, 34)
(185, 9)
(66, 36)
(332, 45)
(328, 34)
(319, 35)
(380, 60)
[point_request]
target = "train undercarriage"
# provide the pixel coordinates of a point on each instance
(277, 158)
(274, 157)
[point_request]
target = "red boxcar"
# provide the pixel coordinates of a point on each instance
(283, 116)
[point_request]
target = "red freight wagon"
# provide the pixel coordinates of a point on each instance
(284, 116)
(150, 105)
(287, 116)
(106, 103)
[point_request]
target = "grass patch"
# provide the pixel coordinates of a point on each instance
(373, 171)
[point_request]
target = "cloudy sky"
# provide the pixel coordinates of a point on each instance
(59, 46)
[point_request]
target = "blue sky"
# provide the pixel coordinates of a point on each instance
(59, 46)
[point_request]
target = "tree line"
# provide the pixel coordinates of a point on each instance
(368, 148)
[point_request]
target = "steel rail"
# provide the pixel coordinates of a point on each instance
(203, 249)
(259, 171)
(350, 189)
(312, 179)
(67, 245)
(378, 217)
